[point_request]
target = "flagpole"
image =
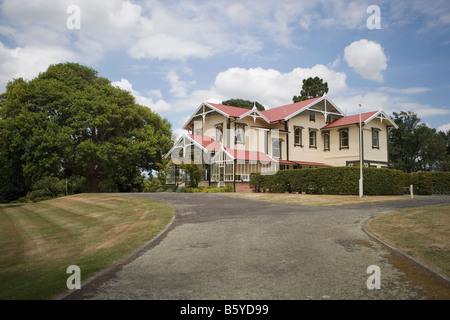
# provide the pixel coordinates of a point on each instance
(361, 192)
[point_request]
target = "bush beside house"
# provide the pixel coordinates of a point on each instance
(332, 180)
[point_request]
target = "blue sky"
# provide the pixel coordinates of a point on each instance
(172, 55)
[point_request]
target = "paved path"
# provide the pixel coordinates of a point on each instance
(222, 247)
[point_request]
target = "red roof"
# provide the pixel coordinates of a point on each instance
(274, 114)
(279, 113)
(229, 110)
(249, 155)
(354, 119)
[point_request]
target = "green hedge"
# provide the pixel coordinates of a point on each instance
(426, 183)
(227, 188)
(331, 180)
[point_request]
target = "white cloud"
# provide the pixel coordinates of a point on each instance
(370, 101)
(444, 127)
(346, 14)
(413, 90)
(367, 58)
(426, 111)
(156, 93)
(389, 102)
(159, 106)
(27, 62)
(178, 87)
(272, 88)
(163, 46)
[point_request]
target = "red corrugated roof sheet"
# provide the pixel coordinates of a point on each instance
(279, 113)
(345, 121)
(273, 115)
(231, 111)
(249, 155)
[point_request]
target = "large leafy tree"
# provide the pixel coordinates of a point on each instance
(241, 103)
(312, 88)
(416, 147)
(69, 121)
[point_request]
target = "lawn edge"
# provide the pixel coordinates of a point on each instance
(429, 268)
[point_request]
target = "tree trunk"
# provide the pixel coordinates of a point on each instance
(92, 184)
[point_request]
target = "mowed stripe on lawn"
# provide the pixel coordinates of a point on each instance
(38, 241)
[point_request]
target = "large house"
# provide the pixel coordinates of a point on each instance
(229, 142)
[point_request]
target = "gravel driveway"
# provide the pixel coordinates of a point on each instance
(223, 247)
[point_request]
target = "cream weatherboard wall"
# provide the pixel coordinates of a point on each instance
(305, 152)
(377, 157)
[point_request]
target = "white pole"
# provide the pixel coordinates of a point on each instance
(361, 192)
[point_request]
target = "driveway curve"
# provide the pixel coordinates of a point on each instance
(224, 247)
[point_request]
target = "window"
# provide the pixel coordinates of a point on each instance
(198, 132)
(343, 139)
(313, 138)
(276, 148)
(312, 116)
(298, 136)
(240, 133)
(326, 141)
(375, 138)
(219, 132)
(266, 142)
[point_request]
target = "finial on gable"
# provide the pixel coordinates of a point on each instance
(254, 106)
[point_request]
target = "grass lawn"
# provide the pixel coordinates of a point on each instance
(423, 233)
(38, 241)
(315, 199)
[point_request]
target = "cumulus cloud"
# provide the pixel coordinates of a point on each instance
(162, 46)
(444, 127)
(27, 62)
(159, 105)
(413, 90)
(367, 58)
(177, 87)
(271, 87)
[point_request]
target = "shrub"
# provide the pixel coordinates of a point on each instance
(209, 189)
(46, 188)
(332, 180)
(194, 174)
(427, 183)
